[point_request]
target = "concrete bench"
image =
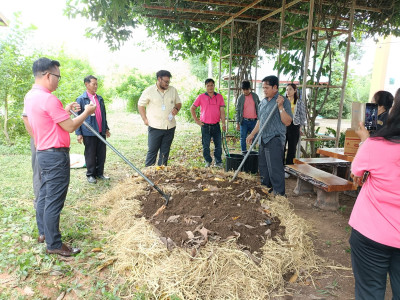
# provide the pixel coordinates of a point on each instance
(327, 185)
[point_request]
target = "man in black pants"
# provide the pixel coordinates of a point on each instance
(50, 124)
(158, 105)
(273, 136)
(95, 149)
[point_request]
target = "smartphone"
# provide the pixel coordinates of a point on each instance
(371, 116)
(365, 176)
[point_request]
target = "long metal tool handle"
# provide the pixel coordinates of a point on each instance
(254, 142)
(166, 197)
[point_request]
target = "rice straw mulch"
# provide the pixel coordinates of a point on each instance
(219, 270)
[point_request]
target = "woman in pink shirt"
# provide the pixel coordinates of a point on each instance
(375, 219)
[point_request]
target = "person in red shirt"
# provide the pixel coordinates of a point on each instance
(246, 113)
(50, 124)
(212, 111)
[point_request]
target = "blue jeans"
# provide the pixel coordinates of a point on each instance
(213, 131)
(246, 127)
(53, 191)
(271, 165)
(371, 262)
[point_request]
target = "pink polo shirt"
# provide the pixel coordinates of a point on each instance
(376, 213)
(44, 112)
(97, 113)
(249, 107)
(210, 107)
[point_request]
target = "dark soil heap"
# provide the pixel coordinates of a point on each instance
(205, 206)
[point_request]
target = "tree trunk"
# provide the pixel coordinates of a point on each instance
(5, 124)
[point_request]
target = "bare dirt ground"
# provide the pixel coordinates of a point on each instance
(208, 207)
(330, 237)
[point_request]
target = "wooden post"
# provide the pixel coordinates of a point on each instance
(346, 63)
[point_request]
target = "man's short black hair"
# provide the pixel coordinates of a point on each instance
(271, 80)
(246, 85)
(163, 73)
(89, 78)
(209, 80)
(43, 65)
(384, 98)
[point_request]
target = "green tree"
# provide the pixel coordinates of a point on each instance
(132, 87)
(73, 71)
(16, 79)
(185, 26)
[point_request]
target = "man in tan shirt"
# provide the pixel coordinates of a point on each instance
(158, 105)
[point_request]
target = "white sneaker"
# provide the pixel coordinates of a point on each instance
(287, 175)
(207, 164)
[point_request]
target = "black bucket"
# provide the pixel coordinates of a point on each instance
(251, 163)
(233, 162)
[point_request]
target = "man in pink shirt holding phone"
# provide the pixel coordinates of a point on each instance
(50, 124)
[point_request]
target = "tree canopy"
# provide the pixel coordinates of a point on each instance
(193, 27)
(185, 25)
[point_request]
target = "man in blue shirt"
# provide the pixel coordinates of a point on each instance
(273, 137)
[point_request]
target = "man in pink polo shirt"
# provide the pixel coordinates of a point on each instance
(51, 124)
(212, 111)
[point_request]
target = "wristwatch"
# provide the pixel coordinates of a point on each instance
(281, 110)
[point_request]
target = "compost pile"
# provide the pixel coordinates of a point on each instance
(216, 239)
(205, 206)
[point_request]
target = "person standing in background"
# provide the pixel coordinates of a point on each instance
(158, 105)
(384, 100)
(293, 131)
(246, 113)
(95, 149)
(212, 111)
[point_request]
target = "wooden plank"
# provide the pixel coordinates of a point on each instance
(318, 139)
(194, 11)
(279, 10)
(321, 160)
(236, 15)
(335, 152)
(319, 178)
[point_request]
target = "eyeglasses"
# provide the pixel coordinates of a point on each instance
(166, 82)
(58, 76)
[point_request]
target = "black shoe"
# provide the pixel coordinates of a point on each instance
(64, 250)
(91, 179)
(41, 238)
(102, 177)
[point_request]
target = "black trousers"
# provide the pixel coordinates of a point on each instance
(95, 155)
(271, 166)
(292, 138)
(371, 262)
(159, 140)
(55, 168)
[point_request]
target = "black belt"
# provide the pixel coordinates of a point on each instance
(249, 119)
(211, 124)
(63, 149)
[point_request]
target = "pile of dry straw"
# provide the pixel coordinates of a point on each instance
(219, 271)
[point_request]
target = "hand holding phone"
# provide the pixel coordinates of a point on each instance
(371, 116)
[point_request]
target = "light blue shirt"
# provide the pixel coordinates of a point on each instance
(275, 127)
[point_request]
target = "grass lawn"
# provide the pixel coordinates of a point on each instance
(26, 271)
